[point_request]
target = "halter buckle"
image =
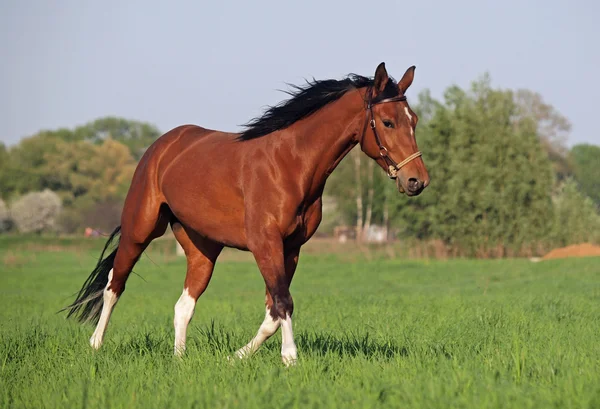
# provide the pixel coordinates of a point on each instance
(392, 172)
(372, 123)
(383, 152)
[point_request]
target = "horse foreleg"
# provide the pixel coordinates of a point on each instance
(269, 254)
(288, 346)
(265, 331)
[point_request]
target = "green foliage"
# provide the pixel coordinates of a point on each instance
(490, 179)
(342, 185)
(551, 126)
(576, 219)
(30, 165)
(137, 136)
(25, 168)
(83, 171)
(85, 175)
(385, 334)
(495, 157)
(5, 219)
(4, 158)
(586, 168)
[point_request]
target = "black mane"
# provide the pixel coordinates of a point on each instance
(306, 100)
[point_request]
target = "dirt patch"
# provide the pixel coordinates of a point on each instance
(575, 250)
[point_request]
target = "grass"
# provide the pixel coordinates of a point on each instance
(378, 333)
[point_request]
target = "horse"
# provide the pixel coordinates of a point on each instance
(259, 190)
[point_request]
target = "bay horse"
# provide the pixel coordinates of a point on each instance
(259, 191)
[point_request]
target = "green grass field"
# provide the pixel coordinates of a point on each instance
(370, 333)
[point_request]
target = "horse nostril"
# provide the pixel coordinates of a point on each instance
(414, 184)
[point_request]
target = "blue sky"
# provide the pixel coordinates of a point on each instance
(219, 63)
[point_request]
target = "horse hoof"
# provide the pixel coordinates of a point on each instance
(289, 361)
(95, 342)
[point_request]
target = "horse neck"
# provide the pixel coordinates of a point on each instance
(321, 141)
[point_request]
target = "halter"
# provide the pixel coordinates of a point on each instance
(393, 167)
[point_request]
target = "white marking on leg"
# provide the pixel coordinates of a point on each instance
(184, 311)
(409, 116)
(266, 330)
(110, 299)
(289, 353)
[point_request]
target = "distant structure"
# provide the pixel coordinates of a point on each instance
(373, 234)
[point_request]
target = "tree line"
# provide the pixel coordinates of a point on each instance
(502, 179)
(89, 168)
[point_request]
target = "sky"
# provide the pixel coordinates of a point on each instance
(220, 63)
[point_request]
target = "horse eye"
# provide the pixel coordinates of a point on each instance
(388, 124)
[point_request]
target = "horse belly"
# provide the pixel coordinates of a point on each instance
(213, 222)
(212, 210)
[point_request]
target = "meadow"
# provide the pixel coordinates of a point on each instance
(372, 332)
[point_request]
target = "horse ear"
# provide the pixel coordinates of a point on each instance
(381, 78)
(407, 79)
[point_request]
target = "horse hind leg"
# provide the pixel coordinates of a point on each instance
(201, 255)
(127, 255)
(140, 226)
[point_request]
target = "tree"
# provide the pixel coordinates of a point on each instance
(551, 126)
(137, 136)
(576, 219)
(36, 212)
(490, 180)
(23, 171)
(4, 179)
(81, 171)
(3, 155)
(89, 167)
(5, 219)
(585, 160)
(415, 217)
(90, 175)
(358, 188)
(358, 193)
(109, 171)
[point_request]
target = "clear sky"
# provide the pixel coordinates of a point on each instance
(219, 63)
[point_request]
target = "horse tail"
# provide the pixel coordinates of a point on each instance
(88, 304)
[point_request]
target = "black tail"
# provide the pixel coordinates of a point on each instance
(88, 304)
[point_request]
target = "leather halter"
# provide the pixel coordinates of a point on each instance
(393, 167)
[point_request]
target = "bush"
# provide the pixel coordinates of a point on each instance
(576, 219)
(36, 212)
(103, 216)
(5, 219)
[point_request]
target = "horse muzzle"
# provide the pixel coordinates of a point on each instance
(412, 187)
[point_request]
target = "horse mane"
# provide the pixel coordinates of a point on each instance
(306, 100)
